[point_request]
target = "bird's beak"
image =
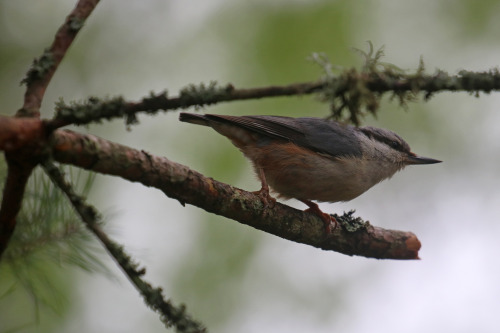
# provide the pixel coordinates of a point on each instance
(414, 159)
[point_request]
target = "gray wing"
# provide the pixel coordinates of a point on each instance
(317, 134)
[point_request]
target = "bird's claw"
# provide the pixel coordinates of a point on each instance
(267, 200)
(327, 218)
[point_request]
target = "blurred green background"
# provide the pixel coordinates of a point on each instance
(234, 278)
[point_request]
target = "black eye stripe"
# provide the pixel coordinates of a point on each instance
(387, 137)
(396, 145)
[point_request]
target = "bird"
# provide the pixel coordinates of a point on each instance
(313, 159)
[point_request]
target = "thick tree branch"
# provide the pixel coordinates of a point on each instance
(38, 77)
(17, 133)
(179, 182)
(22, 140)
(18, 173)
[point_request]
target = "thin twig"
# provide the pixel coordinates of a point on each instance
(349, 90)
(170, 314)
(38, 77)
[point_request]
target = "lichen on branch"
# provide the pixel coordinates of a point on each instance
(351, 94)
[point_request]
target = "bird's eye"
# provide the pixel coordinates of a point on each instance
(394, 144)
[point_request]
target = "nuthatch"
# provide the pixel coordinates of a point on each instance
(313, 158)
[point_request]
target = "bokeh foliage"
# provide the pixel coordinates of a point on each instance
(48, 240)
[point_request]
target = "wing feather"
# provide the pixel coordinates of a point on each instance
(317, 134)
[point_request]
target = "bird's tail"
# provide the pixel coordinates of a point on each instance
(192, 118)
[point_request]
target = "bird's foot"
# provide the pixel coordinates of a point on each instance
(327, 218)
(267, 200)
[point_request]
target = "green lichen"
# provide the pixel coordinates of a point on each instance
(352, 94)
(75, 23)
(40, 67)
(202, 94)
(351, 223)
(94, 109)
